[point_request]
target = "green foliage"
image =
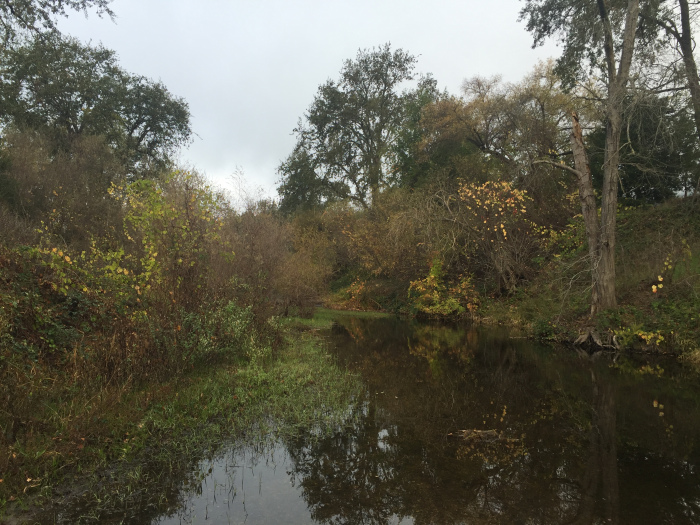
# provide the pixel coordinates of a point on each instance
(567, 242)
(660, 152)
(578, 27)
(20, 16)
(344, 143)
(657, 278)
(411, 169)
(173, 230)
(300, 189)
(163, 428)
(136, 306)
(65, 88)
(433, 297)
(544, 330)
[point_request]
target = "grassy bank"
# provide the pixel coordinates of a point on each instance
(324, 318)
(144, 443)
(658, 285)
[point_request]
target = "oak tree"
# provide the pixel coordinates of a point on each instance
(64, 88)
(350, 128)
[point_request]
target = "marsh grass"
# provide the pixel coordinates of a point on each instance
(145, 445)
(323, 318)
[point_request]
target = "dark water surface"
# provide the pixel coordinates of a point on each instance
(466, 425)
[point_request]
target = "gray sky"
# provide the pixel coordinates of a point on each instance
(249, 69)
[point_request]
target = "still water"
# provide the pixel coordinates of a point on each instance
(461, 425)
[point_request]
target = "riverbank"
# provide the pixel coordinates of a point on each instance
(142, 439)
(658, 286)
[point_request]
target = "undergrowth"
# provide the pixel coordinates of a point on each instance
(658, 285)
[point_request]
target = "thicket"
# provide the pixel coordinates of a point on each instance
(118, 270)
(483, 252)
(108, 283)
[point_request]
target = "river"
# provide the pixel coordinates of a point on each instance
(468, 425)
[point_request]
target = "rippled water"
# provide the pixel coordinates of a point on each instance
(470, 426)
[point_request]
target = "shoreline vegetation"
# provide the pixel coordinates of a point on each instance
(152, 436)
(658, 285)
(148, 434)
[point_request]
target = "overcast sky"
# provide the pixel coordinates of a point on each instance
(249, 69)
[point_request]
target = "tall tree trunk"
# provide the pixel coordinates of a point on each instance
(589, 208)
(617, 87)
(685, 42)
(608, 212)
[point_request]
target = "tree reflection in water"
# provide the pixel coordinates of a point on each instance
(550, 452)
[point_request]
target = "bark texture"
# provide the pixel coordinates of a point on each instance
(589, 208)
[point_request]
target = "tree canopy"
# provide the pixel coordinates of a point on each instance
(17, 16)
(351, 126)
(65, 88)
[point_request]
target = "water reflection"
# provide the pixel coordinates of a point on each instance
(243, 485)
(468, 426)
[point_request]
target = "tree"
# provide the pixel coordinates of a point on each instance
(600, 34)
(675, 18)
(496, 131)
(40, 15)
(659, 156)
(410, 170)
(351, 126)
(65, 88)
(300, 188)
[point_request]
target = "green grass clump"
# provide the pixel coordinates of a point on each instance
(323, 318)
